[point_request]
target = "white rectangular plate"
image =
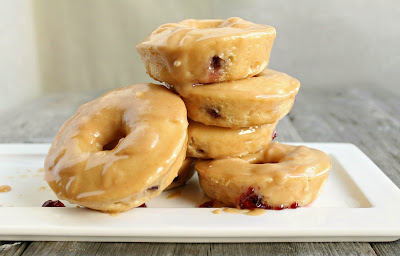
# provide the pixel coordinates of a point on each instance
(359, 203)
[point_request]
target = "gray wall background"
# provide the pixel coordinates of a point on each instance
(331, 43)
(86, 45)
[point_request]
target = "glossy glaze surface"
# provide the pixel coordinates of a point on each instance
(206, 51)
(262, 99)
(112, 153)
(5, 188)
(280, 175)
(219, 142)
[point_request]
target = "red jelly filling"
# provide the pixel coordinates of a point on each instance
(208, 204)
(51, 203)
(250, 200)
(142, 205)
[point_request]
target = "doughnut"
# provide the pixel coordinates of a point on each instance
(206, 51)
(220, 142)
(263, 99)
(184, 174)
(279, 177)
(120, 149)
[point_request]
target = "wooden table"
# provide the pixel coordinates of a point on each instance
(369, 118)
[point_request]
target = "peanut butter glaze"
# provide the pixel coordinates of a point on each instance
(5, 188)
(280, 175)
(175, 194)
(206, 51)
(254, 212)
(263, 99)
(116, 148)
(219, 142)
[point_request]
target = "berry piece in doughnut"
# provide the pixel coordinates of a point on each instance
(216, 63)
(219, 142)
(208, 204)
(250, 200)
(206, 51)
(120, 150)
(53, 203)
(185, 173)
(263, 99)
(279, 177)
(214, 112)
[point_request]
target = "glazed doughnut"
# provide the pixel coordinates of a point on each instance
(185, 173)
(119, 150)
(282, 176)
(262, 99)
(206, 51)
(220, 142)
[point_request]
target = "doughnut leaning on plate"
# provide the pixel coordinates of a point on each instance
(119, 150)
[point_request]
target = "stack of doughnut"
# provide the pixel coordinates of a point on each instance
(234, 102)
(219, 104)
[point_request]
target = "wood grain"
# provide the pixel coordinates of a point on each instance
(368, 118)
(86, 248)
(392, 248)
(254, 249)
(13, 248)
(352, 116)
(292, 249)
(39, 121)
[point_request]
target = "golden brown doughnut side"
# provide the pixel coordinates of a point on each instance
(263, 99)
(119, 150)
(219, 142)
(278, 177)
(206, 51)
(185, 172)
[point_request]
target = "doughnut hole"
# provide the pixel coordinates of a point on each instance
(261, 161)
(266, 159)
(100, 136)
(115, 141)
